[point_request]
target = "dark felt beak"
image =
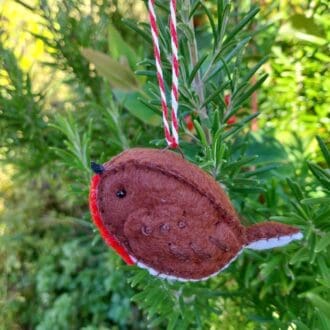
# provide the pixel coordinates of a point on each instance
(97, 168)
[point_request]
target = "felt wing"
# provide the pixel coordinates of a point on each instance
(181, 248)
(153, 238)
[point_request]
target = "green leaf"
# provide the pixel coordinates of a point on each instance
(317, 301)
(300, 325)
(147, 73)
(321, 175)
(247, 190)
(186, 30)
(241, 98)
(241, 162)
(120, 76)
(200, 133)
(300, 256)
(324, 269)
(295, 189)
(316, 201)
(196, 68)
(211, 20)
(239, 126)
(322, 216)
(269, 267)
(223, 11)
(139, 275)
(134, 26)
(242, 23)
(173, 320)
(281, 218)
(253, 70)
(324, 149)
(118, 47)
(227, 59)
(322, 243)
(324, 320)
(194, 8)
(215, 95)
(216, 123)
(131, 101)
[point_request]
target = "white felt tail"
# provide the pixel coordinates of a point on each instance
(270, 243)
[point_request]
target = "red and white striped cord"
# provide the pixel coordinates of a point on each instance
(172, 137)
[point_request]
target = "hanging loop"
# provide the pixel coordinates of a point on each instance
(171, 136)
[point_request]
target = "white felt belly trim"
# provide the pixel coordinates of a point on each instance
(262, 244)
(174, 278)
(270, 243)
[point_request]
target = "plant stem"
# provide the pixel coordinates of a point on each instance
(197, 83)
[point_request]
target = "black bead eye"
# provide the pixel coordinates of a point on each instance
(121, 193)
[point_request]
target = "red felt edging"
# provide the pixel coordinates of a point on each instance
(108, 238)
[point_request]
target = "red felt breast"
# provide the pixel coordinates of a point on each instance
(108, 238)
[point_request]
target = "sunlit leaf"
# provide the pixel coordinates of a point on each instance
(120, 76)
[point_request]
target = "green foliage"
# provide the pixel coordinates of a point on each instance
(22, 125)
(49, 267)
(299, 61)
(56, 271)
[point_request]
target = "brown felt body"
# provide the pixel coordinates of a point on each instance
(174, 217)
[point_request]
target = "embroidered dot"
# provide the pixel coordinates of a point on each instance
(182, 224)
(164, 228)
(121, 193)
(146, 230)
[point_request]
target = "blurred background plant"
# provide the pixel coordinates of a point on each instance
(78, 83)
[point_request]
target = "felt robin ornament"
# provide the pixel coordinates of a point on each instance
(162, 213)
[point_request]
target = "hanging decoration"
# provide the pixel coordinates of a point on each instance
(162, 213)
